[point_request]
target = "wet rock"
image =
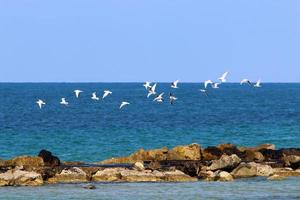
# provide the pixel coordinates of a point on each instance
(19, 177)
(49, 159)
(225, 163)
(189, 152)
(69, 175)
(292, 161)
(271, 155)
(139, 166)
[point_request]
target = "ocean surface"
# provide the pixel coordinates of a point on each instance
(91, 131)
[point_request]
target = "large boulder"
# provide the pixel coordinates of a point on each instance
(225, 163)
(19, 177)
(69, 175)
(251, 155)
(252, 169)
(189, 152)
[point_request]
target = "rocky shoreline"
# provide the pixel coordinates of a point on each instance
(189, 163)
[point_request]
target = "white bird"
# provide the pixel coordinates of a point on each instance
(204, 92)
(94, 96)
(159, 98)
(106, 93)
(77, 93)
(246, 81)
(147, 85)
(124, 103)
(257, 85)
(223, 77)
(215, 85)
(40, 103)
(174, 84)
(151, 90)
(172, 98)
(64, 102)
(207, 82)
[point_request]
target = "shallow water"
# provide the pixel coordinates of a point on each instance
(256, 188)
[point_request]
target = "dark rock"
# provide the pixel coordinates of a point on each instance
(89, 187)
(49, 159)
(211, 153)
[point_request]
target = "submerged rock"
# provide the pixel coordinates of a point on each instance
(19, 177)
(89, 187)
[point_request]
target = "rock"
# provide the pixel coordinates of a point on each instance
(225, 163)
(258, 148)
(140, 155)
(28, 163)
(69, 175)
(177, 176)
(286, 172)
(49, 159)
(244, 170)
(211, 153)
(271, 155)
(108, 175)
(154, 165)
(218, 176)
(292, 161)
(230, 149)
(189, 152)
(252, 169)
(20, 178)
(89, 187)
(127, 175)
(139, 166)
(251, 155)
(189, 167)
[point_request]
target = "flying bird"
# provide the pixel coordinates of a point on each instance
(106, 93)
(147, 85)
(172, 98)
(223, 77)
(215, 85)
(174, 84)
(246, 81)
(77, 93)
(40, 103)
(124, 103)
(258, 84)
(204, 92)
(151, 90)
(207, 82)
(64, 102)
(94, 96)
(159, 98)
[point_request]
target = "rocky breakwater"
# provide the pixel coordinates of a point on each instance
(224, 162)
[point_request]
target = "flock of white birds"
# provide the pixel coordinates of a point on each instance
(152, 91)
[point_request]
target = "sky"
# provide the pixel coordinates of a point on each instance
(149, 40)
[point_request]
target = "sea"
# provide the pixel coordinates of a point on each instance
(91, 131)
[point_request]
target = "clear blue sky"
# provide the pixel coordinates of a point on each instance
(156, 40)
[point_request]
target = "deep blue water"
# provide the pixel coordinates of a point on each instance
(93, 131)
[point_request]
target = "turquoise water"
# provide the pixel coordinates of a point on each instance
(257, 188)
(92, 131)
